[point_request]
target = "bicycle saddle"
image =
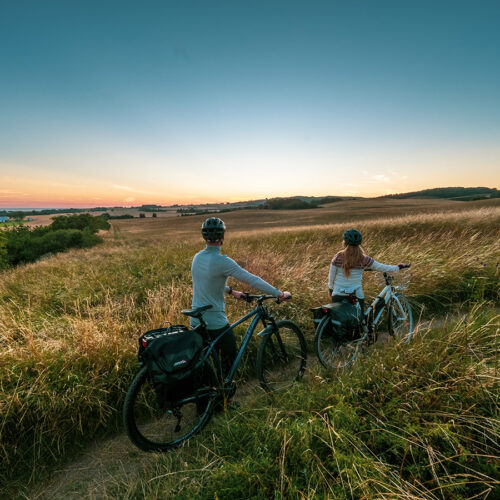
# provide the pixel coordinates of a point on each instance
(196, 312)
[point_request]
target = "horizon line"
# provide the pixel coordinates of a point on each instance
(84, 206)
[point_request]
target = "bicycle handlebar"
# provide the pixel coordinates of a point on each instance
(385, 272)
(248, 297)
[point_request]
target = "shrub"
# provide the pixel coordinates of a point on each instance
(81, 221)
(3, 251)
(75, 231)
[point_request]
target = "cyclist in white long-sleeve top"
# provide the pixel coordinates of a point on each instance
(210, 270)
(347, 266)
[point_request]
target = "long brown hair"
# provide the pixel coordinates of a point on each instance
(352, 256)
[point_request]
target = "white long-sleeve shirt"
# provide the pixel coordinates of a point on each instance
(342, 285)
(210, 270)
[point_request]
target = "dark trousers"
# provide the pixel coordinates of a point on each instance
(225, 348)
(340, 298)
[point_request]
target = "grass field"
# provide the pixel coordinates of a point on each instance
(415, 422)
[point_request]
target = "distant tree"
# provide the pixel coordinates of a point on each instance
(287, 204)
(124, 216)
(19, 215)
(328, 199)
(449, 192)
(3, 250)
(82, 221)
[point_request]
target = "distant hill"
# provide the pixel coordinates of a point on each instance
(451, 193)
(288, 204)
(301, 202)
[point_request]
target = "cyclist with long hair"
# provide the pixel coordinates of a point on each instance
(347, 266)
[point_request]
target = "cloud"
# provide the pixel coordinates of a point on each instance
(130, 198)
(380, 178)
(130, 189)
(8, 191)
(376, 178)
(399, 175)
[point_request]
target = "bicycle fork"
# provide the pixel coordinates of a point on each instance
(281, 351)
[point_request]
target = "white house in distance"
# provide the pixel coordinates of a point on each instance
(3, 218)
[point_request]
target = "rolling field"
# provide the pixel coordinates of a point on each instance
(244, 221)
(417, 421)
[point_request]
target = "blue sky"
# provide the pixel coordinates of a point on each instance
(161, 102)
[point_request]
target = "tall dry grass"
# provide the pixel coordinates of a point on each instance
(68, 324)
(417, 421)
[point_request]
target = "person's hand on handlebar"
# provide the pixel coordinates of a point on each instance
(284, 296)
(238, 295)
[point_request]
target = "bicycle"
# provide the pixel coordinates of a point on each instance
(281, 361)
(335, 352)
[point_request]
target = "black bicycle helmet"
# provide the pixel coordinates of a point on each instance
(353, 237)
(213, 229)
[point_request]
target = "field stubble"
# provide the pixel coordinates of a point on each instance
(68, 324)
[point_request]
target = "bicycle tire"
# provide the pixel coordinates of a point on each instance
(281, 357)
(332, 352)
(152, 426)
(400, 317)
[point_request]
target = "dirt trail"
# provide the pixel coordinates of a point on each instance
(111, 461)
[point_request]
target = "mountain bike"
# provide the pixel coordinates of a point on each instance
(281, 360)
(336, 352)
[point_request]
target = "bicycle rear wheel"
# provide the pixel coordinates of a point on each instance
(332, 352)
(155, 425)
(400, 317)
(281, 358)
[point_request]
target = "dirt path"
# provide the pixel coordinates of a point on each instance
(113, 460)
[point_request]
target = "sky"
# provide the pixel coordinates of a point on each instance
(126, 102)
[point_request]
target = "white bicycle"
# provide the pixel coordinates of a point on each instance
(337, 351)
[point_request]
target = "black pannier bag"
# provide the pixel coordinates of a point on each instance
(172, 357)
(347, 314)
(146, 339)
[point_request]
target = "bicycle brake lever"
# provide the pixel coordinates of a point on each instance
(279, 301)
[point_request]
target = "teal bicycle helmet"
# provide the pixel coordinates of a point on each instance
(353, 237)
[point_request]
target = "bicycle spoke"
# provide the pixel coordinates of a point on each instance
(281, 357)
(154, 422)
(334, 352)
(400, 317)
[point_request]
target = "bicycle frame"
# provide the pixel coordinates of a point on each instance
(260, 314)
(379, 304)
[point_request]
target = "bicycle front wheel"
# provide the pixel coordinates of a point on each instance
(332, 352)
(281, 358)
(400, 317)
(156, 425)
